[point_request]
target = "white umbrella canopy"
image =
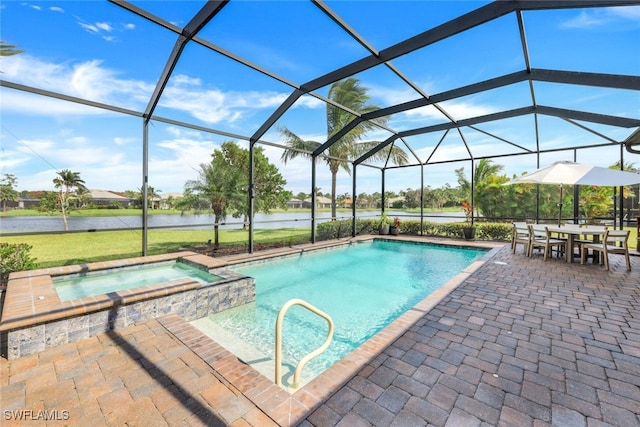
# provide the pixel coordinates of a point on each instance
(571, 173)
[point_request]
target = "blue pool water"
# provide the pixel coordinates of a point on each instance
(363, 287)
(112, 280)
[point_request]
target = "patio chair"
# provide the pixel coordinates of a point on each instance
(613, 242)
(520, 235)
(590, 238)
(541, 238)
(577, 239)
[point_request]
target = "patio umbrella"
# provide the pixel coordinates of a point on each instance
(571, 173)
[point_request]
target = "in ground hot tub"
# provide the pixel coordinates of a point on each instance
(98, 297)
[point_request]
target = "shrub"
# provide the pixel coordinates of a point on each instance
(410, 227)
(484, 230)
(494, 231)
(14, 257)
(341, 229)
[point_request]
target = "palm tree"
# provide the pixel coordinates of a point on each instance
(67, 181)
(153, 195)
(350, 94)
(221, 185)
(485, 168)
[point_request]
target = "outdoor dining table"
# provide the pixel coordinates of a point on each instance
(573, 232)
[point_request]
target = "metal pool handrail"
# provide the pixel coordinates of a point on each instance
(305, 359)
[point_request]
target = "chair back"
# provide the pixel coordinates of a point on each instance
(538, 230)
(519, 227)
(616, 238)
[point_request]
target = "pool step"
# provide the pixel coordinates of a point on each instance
(245, 352)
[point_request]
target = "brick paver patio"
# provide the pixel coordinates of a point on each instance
(521, 342)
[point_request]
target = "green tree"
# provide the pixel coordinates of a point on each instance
(225, 182)
(218, 184)
(190, 201)
(493, 197)
(68, 184)
(8, 192)
(152, 196)
(350, 94)
(485, 169)
(48, 202)
(597, 201)
(83, 197)
(412, 199)
(363, 200)
(170, 201)
(268, 183)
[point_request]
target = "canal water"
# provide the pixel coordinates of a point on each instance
(30, 224)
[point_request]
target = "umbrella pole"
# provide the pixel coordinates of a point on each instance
(560, 208)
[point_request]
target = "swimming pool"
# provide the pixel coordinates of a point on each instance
(362, 286)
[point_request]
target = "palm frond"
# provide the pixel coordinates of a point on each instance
(296, 145)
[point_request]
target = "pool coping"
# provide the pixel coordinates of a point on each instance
(31, 297)
(288, 409)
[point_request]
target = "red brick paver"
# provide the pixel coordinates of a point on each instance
(138, 376)
(521, 342)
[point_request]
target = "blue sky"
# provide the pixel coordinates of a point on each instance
(98, 51)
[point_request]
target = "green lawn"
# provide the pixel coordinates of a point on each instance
(78, 248)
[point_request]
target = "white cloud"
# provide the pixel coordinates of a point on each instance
(104, 26)
(124, 141)
(33, 105)
(392, 95)
(215, 106)
(629, 12)
(585, 20)
(89, 28)
(308, 101)
(56, 9)
(11, 159)
(458, 110)
(87, 80)
(78, 140)
(588, 19)
(92, 81)
(182, 79)
(189, 153)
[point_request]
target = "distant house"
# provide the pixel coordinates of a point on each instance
(29, 200)
(321, 202)
(295, 204)
(98, 198)
(23, 203)
(166, 200)
(109, 198)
